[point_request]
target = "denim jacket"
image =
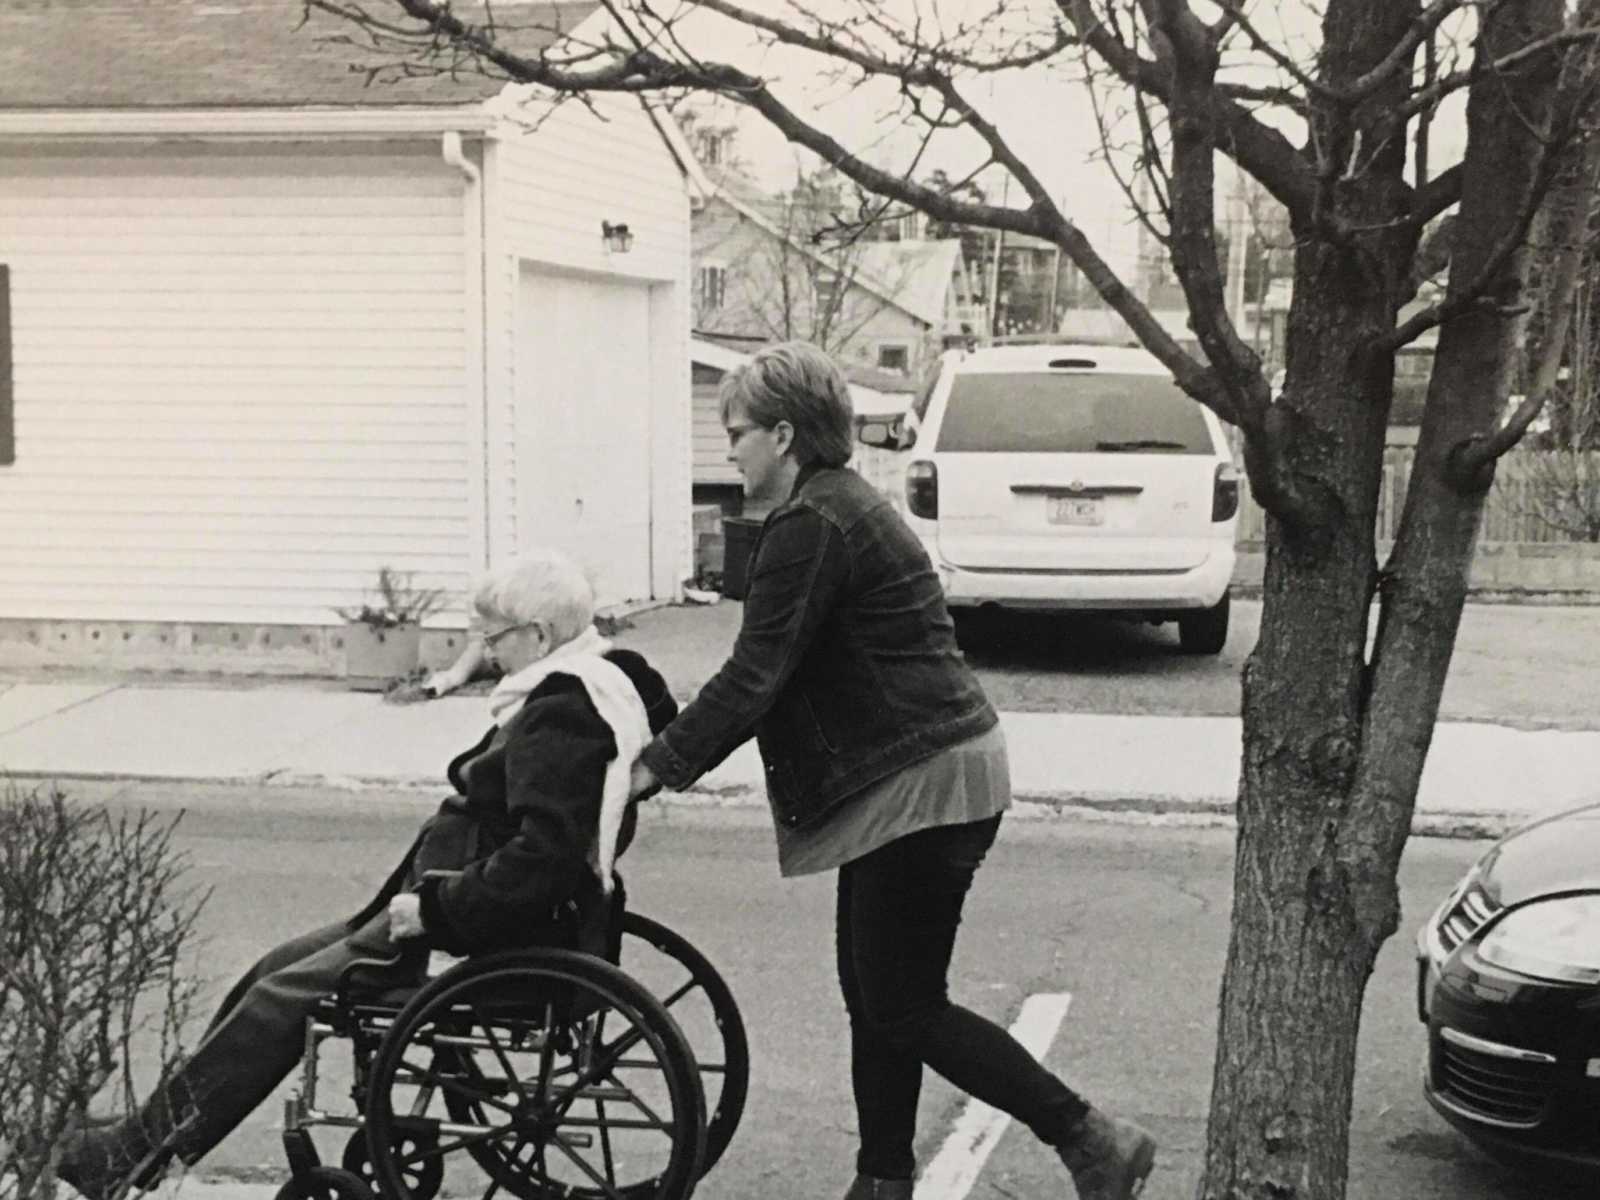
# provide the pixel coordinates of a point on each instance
(845, 668)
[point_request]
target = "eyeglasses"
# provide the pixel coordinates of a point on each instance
(489, 639)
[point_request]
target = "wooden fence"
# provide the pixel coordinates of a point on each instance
(1510, 512)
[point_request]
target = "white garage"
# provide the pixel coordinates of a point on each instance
(592, 336)
(271, 329)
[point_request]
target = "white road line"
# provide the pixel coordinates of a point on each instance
(977, 1131)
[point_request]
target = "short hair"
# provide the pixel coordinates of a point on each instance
(541, 585)
(797, 383)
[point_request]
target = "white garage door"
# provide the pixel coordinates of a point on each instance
(583, 425)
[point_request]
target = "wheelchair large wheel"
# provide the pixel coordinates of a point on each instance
(689, 987)
(555, 1073)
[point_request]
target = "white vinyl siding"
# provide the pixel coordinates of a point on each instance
(239, 378)
(552, 181)
(711, 463)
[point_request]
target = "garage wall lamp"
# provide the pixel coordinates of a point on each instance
(617, 238)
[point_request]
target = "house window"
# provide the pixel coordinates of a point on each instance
(8, 442)
(713, 287)
(711, 147)
(894, 358)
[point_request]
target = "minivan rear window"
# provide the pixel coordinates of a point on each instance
(1072, 412)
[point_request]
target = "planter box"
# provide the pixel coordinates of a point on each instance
(373, 657)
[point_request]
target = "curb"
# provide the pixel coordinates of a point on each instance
(1169, 811)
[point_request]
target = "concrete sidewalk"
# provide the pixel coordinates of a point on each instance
(1479, 779)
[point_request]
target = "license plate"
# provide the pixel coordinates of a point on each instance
(1076, 510)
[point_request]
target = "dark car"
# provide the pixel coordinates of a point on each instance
(1508, 984)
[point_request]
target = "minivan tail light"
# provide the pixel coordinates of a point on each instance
(1224, 492)
(922, 490)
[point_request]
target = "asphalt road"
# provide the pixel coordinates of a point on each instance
(1131, 921)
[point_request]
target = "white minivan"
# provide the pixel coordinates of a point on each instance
(1072, 477)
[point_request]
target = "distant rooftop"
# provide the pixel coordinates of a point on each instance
(167, 54)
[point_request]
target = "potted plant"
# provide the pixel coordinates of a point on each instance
(383, 638)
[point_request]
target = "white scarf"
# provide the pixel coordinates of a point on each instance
(618, 703)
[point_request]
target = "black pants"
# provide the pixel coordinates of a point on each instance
(898, 911)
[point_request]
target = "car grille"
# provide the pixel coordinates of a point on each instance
(1466, 916)
(1499, 1084)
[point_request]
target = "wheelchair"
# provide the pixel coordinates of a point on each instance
(612, 1066)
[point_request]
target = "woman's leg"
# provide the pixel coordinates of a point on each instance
(886, 1081)
(901, 906)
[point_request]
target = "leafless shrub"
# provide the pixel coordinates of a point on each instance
(95, 922)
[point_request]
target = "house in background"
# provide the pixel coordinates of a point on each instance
(770, 268)
(776, 267)
(717, 484)
(272, 328)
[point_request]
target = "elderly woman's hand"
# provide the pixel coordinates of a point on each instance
(642, 782)
(405, 916)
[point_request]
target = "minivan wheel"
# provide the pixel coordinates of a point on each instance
(1206, 630)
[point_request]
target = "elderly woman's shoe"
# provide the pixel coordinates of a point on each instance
(866, 1187)
(105, 1158)
(1109, 1159)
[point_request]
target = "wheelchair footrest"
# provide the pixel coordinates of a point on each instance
(301, 1152)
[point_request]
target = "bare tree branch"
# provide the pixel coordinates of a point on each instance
(1425, 98)
(1191, 59)
(1574, 100)
(1234, 13)
(1256, 146)
(1399, 59)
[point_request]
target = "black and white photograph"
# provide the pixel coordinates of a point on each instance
(794, 599)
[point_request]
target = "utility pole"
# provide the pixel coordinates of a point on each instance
(994, 282)
(994, 268)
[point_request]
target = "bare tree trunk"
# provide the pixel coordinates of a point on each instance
(1335, 740)
(1301, 948)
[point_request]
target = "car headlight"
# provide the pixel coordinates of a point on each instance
(1462, 913)
(1555, 939)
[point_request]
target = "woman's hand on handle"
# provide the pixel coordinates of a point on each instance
(642, 782)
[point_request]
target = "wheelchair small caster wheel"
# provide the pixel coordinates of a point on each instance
(421, 1167)
(325, 1183)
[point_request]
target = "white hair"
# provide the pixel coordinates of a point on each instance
(542, 585)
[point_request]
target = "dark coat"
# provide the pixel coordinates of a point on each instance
(845, 668)
(520, 828)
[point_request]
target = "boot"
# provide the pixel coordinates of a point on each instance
(1109, 1159)
(102, 1159)
(866, 1187)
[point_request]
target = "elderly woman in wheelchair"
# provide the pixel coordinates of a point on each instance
(535, 1065)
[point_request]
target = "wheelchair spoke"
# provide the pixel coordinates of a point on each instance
(693, 985)
(556, 1079)
(605, 1140)
(607, 1185)
(546, 1050)
(629, 1095)
(499, 1052)
(430, 1077)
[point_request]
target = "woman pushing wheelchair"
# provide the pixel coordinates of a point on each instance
(539, 813)
(885, 760)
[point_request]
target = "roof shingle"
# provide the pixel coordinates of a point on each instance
(174, 54)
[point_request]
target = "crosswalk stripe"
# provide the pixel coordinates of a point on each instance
(977, 1131)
